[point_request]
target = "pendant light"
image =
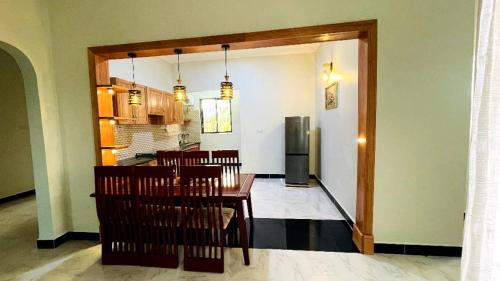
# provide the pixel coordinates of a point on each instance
(226, 87)
(134, 95)
(179, 89)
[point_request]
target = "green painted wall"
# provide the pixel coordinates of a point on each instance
(424, 73)
(16, 169)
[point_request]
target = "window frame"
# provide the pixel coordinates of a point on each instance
(216, 116)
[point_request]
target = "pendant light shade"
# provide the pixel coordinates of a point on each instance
(179, 89)
(226, 87)
(134, 95)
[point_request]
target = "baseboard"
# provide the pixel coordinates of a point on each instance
(71, 235)
(17, 196)
(269, 176)
(335, 202)
(276, 176)
(421, 250)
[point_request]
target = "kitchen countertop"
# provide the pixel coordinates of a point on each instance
(133, 161)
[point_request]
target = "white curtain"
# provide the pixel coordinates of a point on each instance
(481, 251)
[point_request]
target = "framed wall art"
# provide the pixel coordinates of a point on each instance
(331, 96)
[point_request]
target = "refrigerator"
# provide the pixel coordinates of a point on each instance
(297, 150)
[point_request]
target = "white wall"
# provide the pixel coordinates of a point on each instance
(16, 168)
(219, 141)
(425, 51)
(337, 128)
(269, 88)
(151, 72)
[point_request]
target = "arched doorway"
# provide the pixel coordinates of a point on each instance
(36, 139)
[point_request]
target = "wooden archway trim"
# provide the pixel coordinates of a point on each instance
(365, 31)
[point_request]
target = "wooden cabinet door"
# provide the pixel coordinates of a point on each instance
(120, 82)
(155, 102)
(124, 111)
(141, 111)
(169, 109)
(179, 113)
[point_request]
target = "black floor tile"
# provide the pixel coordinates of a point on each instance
(301, 234)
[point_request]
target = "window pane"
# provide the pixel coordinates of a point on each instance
(209, 115)
(224, 116)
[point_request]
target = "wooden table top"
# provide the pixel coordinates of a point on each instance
(238, 188)
(233, 188)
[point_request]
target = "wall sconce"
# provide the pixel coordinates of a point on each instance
(361, 140)
(329, 74)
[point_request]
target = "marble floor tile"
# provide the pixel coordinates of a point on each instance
(272, 199)
(80, 260)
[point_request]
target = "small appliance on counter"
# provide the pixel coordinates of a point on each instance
(182, 139)
(297, 151)
(145, 155)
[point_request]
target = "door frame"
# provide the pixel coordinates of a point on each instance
(364, 31)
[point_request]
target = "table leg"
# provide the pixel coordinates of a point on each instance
(249, 207)
(243, 231)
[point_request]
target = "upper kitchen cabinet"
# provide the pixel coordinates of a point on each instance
(155, 101)
(141, 111)
(179, 113)
(168, 105)
(120, 82)
(174, 111)
(126, 113)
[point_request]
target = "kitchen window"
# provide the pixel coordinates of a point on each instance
(215, 116)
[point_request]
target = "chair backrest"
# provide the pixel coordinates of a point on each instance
(230, 162)
(225, 156)
(115, 201)
(193, 158)
(202, 222)
(170, 158)
(157, 215)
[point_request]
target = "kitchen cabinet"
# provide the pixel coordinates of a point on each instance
(168, 105)
(155, 101)
(131, 114)
(141, 111)
(124, 111)
(120, 82)
(179, 113)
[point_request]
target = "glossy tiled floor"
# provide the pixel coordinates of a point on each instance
(80, 260)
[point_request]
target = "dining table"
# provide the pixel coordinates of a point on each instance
(236, 188)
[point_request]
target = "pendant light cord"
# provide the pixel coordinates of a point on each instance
(178, 67)
(133, 73)
(225, 58)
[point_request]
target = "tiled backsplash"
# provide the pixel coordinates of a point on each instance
(150, 138)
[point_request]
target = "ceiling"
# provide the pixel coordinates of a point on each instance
(245, 53)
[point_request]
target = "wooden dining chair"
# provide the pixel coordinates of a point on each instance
(228, 159)
(192, 158)
(115, 201)
(157, 216)
(230, 162)
(204, 221)
(168, 158)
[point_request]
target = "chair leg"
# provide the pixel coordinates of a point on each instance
(243, 231)
(249, 207)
